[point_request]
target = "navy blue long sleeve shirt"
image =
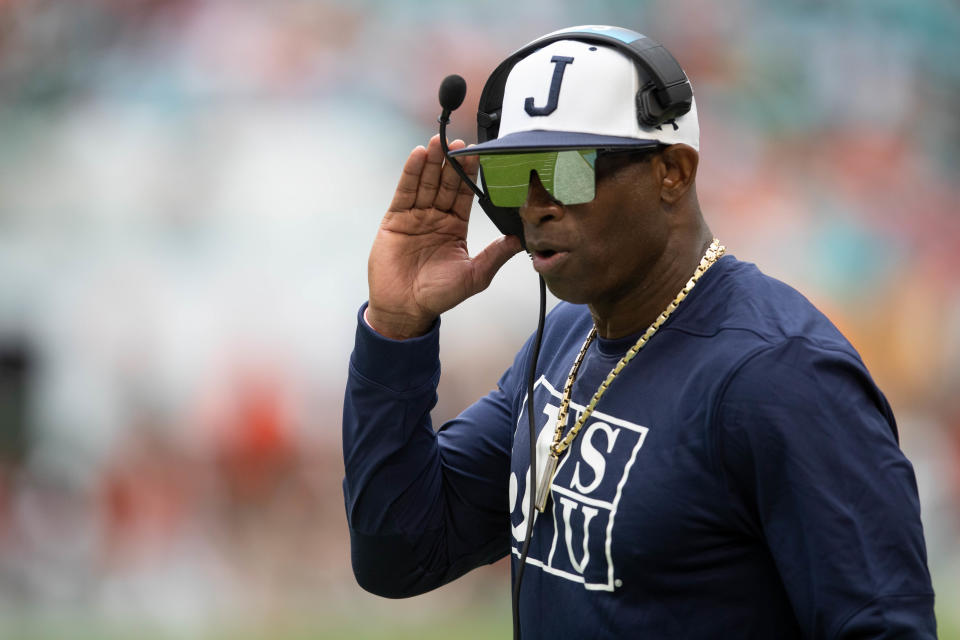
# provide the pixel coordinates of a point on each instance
(740, 478)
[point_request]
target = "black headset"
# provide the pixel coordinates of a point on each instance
(664, 96)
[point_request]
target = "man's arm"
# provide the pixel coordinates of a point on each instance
(808, 448)
(423, 507)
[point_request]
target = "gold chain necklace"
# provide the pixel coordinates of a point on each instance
(560, 444)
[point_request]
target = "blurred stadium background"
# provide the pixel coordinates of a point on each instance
(188, 191)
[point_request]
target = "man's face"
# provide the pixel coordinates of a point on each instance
(598, 252)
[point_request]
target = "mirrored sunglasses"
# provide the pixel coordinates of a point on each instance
(569, 175)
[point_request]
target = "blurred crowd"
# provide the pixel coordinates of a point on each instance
(188, 191)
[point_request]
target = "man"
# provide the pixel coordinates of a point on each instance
(714, 458)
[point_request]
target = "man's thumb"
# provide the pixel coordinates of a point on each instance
(488, 262)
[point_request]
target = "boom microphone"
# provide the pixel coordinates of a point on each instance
(453, 90)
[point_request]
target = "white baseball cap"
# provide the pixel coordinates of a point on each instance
(572, 94)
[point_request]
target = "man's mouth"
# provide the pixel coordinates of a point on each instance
(547, 259)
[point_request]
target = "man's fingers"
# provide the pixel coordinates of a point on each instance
(450, 183)
(428, 181)
(464, 200)
(430, 177)
(465, 195)
(405, 196)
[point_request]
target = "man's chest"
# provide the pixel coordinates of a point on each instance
(635, 489)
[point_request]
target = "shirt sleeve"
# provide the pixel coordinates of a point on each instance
(808, 447)
(423, 507)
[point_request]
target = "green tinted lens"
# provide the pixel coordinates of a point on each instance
(568, 176)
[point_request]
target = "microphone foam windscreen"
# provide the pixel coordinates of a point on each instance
(453, 89)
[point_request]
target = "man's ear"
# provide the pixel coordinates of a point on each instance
(679, 171)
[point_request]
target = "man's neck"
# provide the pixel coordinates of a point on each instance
(637, 308)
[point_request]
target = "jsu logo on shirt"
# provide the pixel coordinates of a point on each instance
(585, 492)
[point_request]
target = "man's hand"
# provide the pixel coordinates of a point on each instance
(419, 266)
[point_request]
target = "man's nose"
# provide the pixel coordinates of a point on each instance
(540, 206)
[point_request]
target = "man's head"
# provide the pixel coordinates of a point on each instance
(596, 252)
(591, 134)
